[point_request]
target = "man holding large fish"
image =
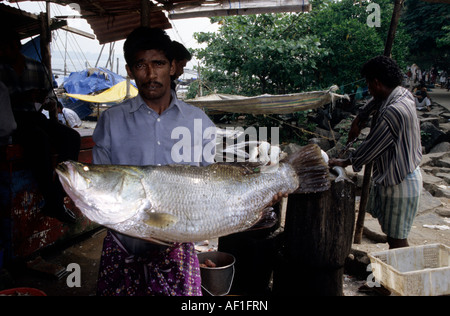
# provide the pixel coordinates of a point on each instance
(138, 132)
(148, 202)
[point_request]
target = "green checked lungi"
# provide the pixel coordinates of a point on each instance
(396, 206)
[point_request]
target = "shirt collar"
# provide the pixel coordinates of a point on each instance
(137, 102)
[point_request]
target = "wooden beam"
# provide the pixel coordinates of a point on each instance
(78, 32)
(235, 7)
(145, 13)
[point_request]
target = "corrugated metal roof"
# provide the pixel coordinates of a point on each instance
(26, 24)
(113, 20)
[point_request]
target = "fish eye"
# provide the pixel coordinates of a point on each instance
(86, 168)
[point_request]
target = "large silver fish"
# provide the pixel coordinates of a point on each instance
(182, 203)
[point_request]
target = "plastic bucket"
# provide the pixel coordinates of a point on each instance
(217, 281)
(22, 291)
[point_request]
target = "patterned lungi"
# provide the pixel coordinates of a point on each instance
(174, 271)
(395, 207)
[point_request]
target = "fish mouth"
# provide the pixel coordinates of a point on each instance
(67, 172)
(63, 170)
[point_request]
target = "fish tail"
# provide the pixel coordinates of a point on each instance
(311, 169)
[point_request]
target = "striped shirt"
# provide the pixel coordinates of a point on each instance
(394, 144)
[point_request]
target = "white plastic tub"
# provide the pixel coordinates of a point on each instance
(418, 270)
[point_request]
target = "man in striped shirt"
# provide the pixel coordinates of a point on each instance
(394, 147)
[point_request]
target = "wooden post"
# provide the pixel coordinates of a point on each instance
(145, 13)
(46, 58)
(363, 202)
(46, 37)
(393, 27)
(368, 168)
(317, 240)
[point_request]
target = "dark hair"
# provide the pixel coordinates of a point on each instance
(145, 38)
(384, 69)
(180, 52)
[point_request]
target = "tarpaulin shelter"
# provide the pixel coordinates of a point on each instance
(267, 104)
(93, 85)
(114, 94)
(91, 80)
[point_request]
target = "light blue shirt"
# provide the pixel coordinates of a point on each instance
(133, 134)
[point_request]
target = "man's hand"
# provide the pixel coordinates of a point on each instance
(339, 162)
(278, 197)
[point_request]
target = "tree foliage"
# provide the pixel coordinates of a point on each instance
(259, 54)
(428, 26)
(287, 53)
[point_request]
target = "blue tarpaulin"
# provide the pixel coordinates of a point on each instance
(91, 80)
(32, 49)
(88, 81)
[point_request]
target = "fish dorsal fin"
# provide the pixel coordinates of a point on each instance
(160, 220)
(244, 168)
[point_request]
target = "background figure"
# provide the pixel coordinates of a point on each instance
(394, 147)
(68, 116)
(30, 90)
(423, 102)
(181, 57)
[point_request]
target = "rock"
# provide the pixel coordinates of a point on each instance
(442, 191)
(445, 176)
(445, 127)
(441, 148)
(335, 151)
(430, 182)
(323, 143)
(443, 212)
(427, 202)
(343, 125)
(445, 115)
(430, 135)
(330, 135)
(443, 163)
(291, 148)
(432, 159)
(433, 120)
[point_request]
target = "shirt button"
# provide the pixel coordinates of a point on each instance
(158, 119)
(159, 143)
(159, 165)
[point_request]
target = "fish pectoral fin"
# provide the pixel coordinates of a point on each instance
(160, 220)
(268, 219)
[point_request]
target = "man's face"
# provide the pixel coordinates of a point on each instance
(180, 64)
(373, 86)
(151, 71)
